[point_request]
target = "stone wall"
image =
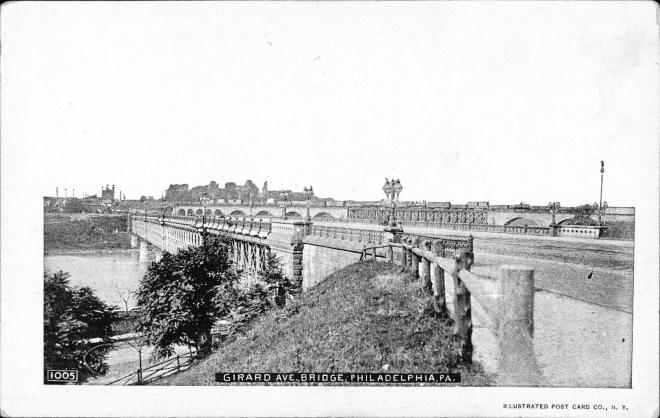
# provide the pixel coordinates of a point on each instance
(323, 257)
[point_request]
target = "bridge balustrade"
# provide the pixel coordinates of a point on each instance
(348, 234)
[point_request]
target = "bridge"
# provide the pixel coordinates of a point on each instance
(534, 220)
(311, 250)
(295, 211)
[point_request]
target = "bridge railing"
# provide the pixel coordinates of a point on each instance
(507, 300)
(447, 245)
(458, 226)
(243, 225)
(348, 234)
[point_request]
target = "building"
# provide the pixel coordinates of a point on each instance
(108, 194)
(176, 192)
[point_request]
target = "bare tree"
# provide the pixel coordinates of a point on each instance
(125, 294)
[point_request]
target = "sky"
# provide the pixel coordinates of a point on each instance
(505, 102)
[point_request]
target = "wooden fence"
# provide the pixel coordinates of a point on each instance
(156, 371)
(508, 301)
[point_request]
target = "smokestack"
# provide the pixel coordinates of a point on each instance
(57, 192)
(113, 188)
(74, 193)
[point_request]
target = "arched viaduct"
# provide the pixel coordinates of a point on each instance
(261, 211)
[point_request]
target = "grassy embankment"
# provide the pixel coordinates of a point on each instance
(63, 233)
(367, 317)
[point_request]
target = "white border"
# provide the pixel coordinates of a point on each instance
(23, 394)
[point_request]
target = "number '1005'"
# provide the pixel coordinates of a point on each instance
(62, 375)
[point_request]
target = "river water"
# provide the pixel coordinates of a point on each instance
(108, 272)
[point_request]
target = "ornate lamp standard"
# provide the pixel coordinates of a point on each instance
(600, 211)
(392, 190)
(205, 201)
(286, 196)
(387, 188)
(601, 208)
(553, 207)
(308, 195)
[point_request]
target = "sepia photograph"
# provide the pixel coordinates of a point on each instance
(330, 208)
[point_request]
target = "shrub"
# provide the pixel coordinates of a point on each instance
(73, 318)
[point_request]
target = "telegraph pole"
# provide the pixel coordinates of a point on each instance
(602, 171)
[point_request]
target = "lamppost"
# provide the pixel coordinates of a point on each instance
(601, 209)
(308, 195)
(146, 225)
(205, 201)
(286, 196)
(392, 190)
(553, 207)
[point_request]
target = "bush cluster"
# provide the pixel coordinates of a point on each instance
(76, 322)
(184, 294)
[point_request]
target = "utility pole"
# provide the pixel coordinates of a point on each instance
(602, 171)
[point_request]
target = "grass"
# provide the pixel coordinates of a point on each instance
(125, 324)
(96, 233)
(367, 317)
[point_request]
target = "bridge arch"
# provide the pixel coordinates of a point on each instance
(190, 212)
(182, 212)
(293, 215)
(520, 221)
(209, 212)
(218, 212)
(237, 213)
(323, 215)
(578, 220)
(198, 212)
(264, 214)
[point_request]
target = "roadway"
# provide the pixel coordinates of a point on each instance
(595, 271)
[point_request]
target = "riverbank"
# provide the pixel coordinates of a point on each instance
(63, 233)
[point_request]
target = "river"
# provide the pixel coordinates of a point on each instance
(108, 272)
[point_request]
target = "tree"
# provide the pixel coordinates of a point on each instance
(125, 294)
(74, 206)
(183, 294)
(277, 285)
(75, 322)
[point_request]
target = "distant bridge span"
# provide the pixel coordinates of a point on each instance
(261, 211)
(407, 216)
